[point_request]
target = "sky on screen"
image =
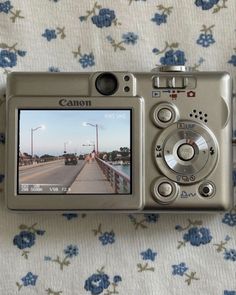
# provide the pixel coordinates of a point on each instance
(69, 127)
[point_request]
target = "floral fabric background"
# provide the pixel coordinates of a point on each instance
(142, 254)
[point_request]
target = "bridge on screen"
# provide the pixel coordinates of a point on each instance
(98, 176)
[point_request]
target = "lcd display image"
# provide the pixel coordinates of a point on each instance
(74, 152)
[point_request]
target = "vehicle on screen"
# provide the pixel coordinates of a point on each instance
(70, 159)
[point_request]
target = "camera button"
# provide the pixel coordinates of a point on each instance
(179, 82)
(165, 189)
(164, 115)
(207, 189)
(160, 82)
(185, 152)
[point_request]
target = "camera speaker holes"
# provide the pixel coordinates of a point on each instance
(126, 78)
(126, 89)
(198, 115)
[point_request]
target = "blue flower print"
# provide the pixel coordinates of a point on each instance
(232, 60)
(229, 292)
(53, 69)
(178, 227)
(82, 18)
(7, 59)
(173, 57)
(151, 218)
(117, 279)
(130, 38)
(68, 216)
(25, 239)
(47, 258)
(107, 238)
(206, 4)
(230, 255)
(104, 237)
(149, 255)
(21, 53)
(155, 50)
(97, 283)
(104, 18)
(144, 222)
(49, 34)
(87, 60)
(9, 55)
(159, 18)
(179, 269)
(29, 279)
(198, 236)
(5, 6)
(230, 219)
(71, 251)
(147, 266)
(205, 40)
(40, 232)
(101, 17)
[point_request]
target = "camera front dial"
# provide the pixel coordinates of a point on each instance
(186, 152)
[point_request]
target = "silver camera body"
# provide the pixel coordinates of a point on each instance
(119, 141)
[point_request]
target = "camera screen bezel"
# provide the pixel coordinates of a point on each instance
(70, 202)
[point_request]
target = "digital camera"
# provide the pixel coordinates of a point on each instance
(119, 141)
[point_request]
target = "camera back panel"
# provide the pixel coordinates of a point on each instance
(180, 153)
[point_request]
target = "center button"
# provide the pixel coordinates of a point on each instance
(185, 152)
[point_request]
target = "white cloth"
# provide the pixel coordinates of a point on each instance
(27, 46)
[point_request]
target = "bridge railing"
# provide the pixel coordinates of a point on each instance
(118, 180)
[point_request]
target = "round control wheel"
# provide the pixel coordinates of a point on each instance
(207, 189)
(164, 114)
(186, 152)
(164, 190)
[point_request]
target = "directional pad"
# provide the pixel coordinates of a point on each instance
(186, 152)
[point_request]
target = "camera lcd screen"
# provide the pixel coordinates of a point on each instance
(74, 152)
